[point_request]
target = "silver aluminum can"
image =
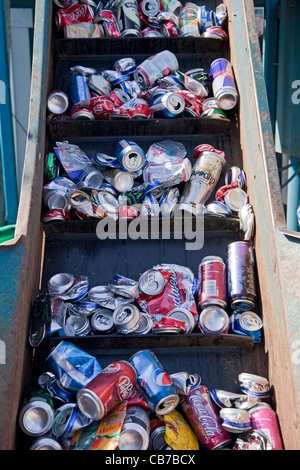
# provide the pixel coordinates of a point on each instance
(145, 324)
(60, 283)
(235, 420)
(188, 21)
(56, 200)
(130, 155)
(151, 282)
(155, 67)
(98, 84)
(99, 293)
(80, 324)
(168, 104)
(235, 199)
(128, 18)
(58, 102)
(65, 3)
(37, 415)
(121, 180)
(46, 443)
(135, 430)
(204, 178)
(254, 385)
(102, 321)
(126, 318)
(214, 320)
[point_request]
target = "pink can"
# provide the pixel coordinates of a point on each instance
(264, 418)
(203, 416)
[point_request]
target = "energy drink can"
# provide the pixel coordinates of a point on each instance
(161, 64)
(241, 280)
(128, 18)
(156, 385)
(224, 86)
(212, 282)
(113, 385)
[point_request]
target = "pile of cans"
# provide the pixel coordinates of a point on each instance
(137, 405)
(167, 298)
(154, 88)
(143, 18)
(136, 183)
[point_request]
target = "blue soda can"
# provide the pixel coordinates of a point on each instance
(167, 104)
(130, 155)
(224, 86)
(79, 88)
(156, 385)
(73, 367)
(247, 324)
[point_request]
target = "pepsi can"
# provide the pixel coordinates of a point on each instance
(159, 391)
(79, 89)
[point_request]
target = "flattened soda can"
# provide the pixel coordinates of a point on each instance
(212, 282)
(246, 323)
(241, 280)
(158, 388)
(224, 87)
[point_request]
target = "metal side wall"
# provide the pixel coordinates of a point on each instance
(277, 249)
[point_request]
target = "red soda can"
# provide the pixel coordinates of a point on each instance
(168, 29)
(203, 416)
(136, 398)
(100, 106)
(212, 282)
(113, 385)
(264, 418)
(140, 111)
(128, 212)
(149, 8)
(109, 22)
(80, 13)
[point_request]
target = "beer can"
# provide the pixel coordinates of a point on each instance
(130, 155)
(46, 443)
(156, 385)
(128, 18)
(121, 180)
(224, 86)
(235, 420)
(135, 431)
(161, 64)
(246, 323)
(73, 367)
(126, 318)
(212, 285)
(204, 419)
(80, 324)
(37, 415)
(57, 102)
(214, 320)
(79, 88)
(241, 279)
(167, 104)
(188, 22)
(107, 390)
(205, 175)
(264, 418)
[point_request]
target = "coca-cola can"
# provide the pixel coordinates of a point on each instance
(78, 13)
(212, 282)
(109, 22)
(169, 30)
(264, 418)
(113, 385)
(119, 96)
(141, 111)
(203, 416)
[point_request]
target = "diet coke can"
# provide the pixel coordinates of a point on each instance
(264, 418)
(203, 416)
(113, 385)
(212, 282)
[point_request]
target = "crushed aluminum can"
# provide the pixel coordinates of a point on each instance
(126, 318)
(100, 106)
(109, 23)
(185, 382)
(168, 201)
(226, 399)
(130, 155)
(82, 114)
(168, 325)
(121, 180)
(99, 293)
(219, 209)
(83, 307)
(46, 443)
(247, 221)
(252, 440)
(37, 414)
(92, 180)
(235, 199)
(167, 104)
(107, 161)
(141, 111)
(169, 30)
(77, 291)
(57, 102)
(155, 67)
(67, 420)
(78, 13)
(254, 385)
(247, 324)
(56, 215)
(215, 32)
(82, 204)
(235, 420)
(56, 200)
(60, 283)
(214, 114)
(150, 207)
(102, 321)
(224, 86)
(78, 88)
(192, 85)
(119, 96)
(151, 282)
(151, 33)
(124, 286)
(145, 324)
(58, 315)
(108, 204)
(214, 320)
(125, 65)
(51, 385)
(184, 315)
(98, 84)
(128, 212)
(149, 8)
(128, 18)
(135, 430)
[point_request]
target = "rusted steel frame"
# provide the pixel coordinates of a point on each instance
(278, 255)
(20, 257)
